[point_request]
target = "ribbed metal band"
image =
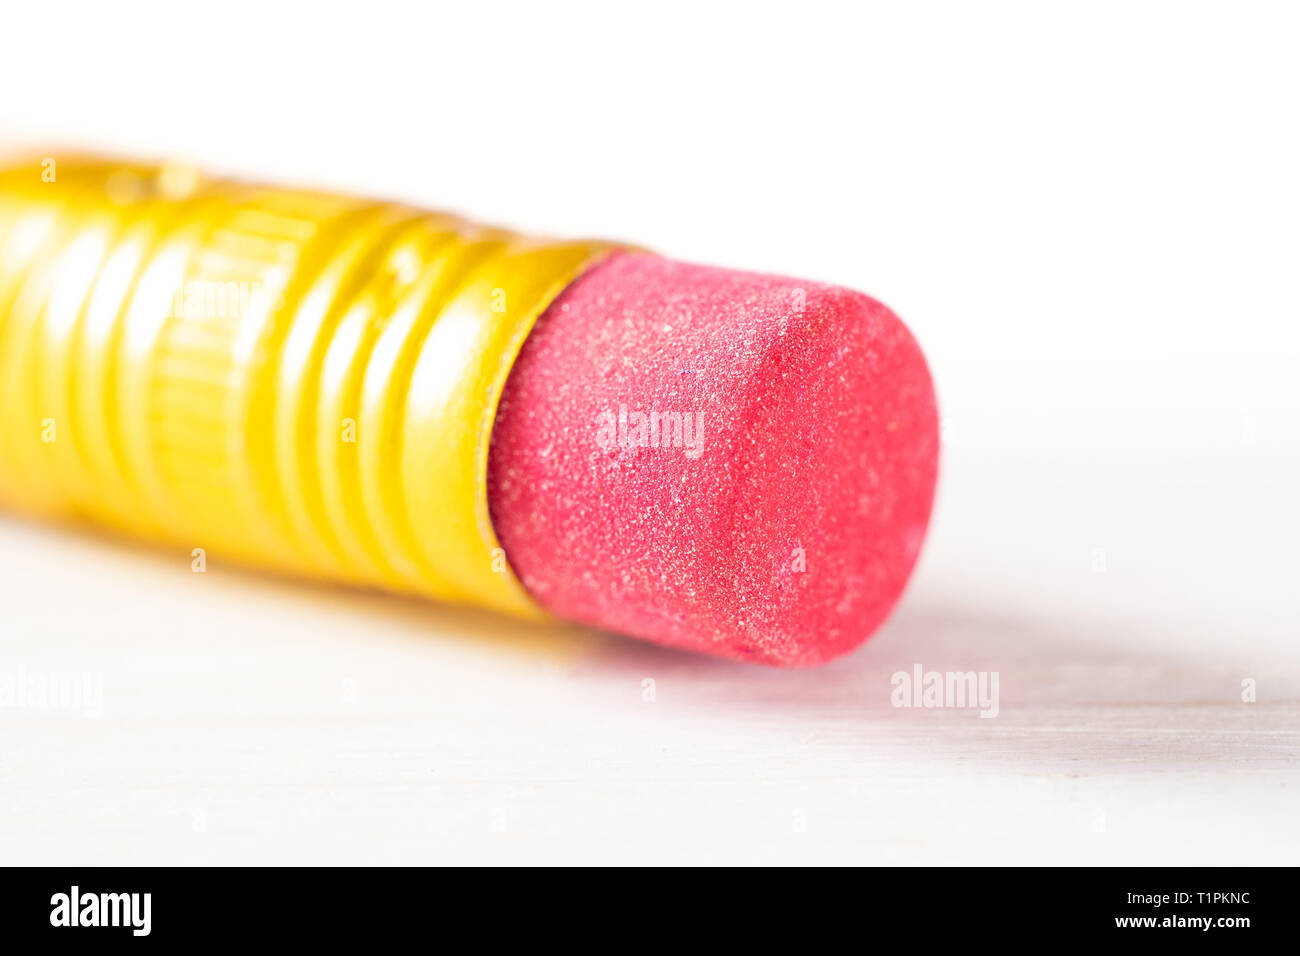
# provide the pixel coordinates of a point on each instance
(290, 379)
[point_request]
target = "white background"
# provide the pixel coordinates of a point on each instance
(1088, 213)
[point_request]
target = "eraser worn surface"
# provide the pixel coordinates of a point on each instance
(733, 463)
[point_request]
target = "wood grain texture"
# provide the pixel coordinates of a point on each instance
(248, 719)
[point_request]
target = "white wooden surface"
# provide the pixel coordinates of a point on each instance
(1086, 213)
(246, 719)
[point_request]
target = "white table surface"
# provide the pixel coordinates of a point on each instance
(246, 719)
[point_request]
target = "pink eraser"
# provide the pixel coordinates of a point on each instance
(732, 463)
